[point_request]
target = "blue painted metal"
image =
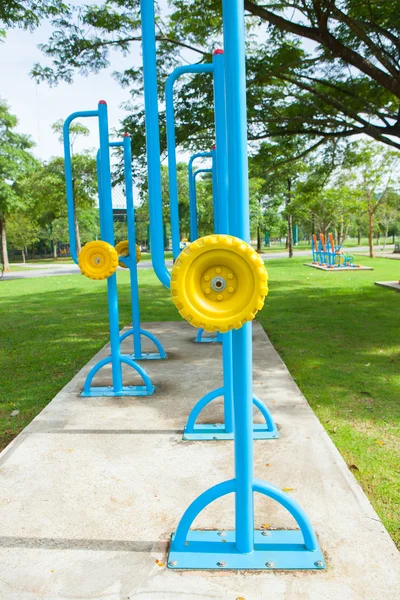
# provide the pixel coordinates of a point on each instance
(192, 193)
(244, 548)
(171, 145)
(281, 550)
(221, 225)
(200, 339)
(153, 141)
(130, 262)
(106, 235)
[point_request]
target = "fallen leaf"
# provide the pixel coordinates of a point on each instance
(367, 365)
(288, 489)
(353, 468)
(14, 413)
(267, 464)
(381, 443)
(161, 564)
(265, 526)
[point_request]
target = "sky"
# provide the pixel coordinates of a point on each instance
(38, 106)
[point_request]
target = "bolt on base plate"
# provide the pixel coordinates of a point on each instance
(281, 550)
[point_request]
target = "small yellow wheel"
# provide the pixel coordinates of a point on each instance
(98, 260)
(122, 249)
(219, 283)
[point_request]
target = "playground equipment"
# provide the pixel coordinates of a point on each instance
(328, 255)
(214, 287)
(99, 259)
(230, 252)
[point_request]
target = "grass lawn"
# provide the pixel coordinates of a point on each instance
(337, 333)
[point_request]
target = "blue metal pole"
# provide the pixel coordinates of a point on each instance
(235, 81)
(221, 214)
(69, 177)
(215, 194)
(130, 218)
(107, 235)
(171, 145)
(192, 194)
(153, 140)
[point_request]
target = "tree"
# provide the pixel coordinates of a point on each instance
(321, 69)
(22, 231)
(28, 13)
(45, 190)
(388, 213)
(15, 161)
(75, 130)
(377, 167)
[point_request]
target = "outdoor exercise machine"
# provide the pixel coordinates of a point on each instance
(215, 286)
(327, 254)
(99, 259)
(129, 256)
(216, 257)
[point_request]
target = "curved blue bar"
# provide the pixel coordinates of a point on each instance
(141, 371)
(217, 491)
(265, 413)
(198, 407)
(153, 141)
(68, 177)
(310, 539)
(171, 145)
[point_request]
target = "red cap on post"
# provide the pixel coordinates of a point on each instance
(102, 102)
(126, 134)
(213, 147)
(218, 51)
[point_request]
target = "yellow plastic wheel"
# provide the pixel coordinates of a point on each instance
(98, 260)
(219, 283)
(122, 249)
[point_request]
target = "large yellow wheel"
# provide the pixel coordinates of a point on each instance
(98, 260)
(122, 249)
(219, 283)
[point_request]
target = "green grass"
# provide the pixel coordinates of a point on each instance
(337, 333)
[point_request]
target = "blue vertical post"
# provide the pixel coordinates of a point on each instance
(194, 233)
(107, 235)
(153, 140)
(221, 214)
(130, 218)
(214, 172)
(235, 81)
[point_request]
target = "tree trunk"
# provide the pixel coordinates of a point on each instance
(4, 250)
(359, 237)
(289, 220)
(386, 235)
(23, 255)
(258, 238)
(54, 249)
(77, 234)
(371, 234)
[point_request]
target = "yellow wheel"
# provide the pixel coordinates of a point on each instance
(98, 260)
(123, 250)
(219, 283)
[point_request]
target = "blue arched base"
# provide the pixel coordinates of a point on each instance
(218, 431)
(161, 354)
(273, 549)
(199, 339)
(126, 390)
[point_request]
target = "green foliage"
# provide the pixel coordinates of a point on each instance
(28, 13)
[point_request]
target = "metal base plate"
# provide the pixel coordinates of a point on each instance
(209, 431)
(147, 356)
(281, 549)
(127, 390)
(208, 340)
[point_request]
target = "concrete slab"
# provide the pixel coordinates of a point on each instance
(394, 285)
(91, 490)
(334, 270)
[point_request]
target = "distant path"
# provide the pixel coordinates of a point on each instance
(54, 270)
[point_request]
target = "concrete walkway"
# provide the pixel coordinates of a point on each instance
(92, 489)
(52, 269)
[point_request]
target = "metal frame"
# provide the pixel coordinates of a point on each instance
(107, 234)
(130, 262)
